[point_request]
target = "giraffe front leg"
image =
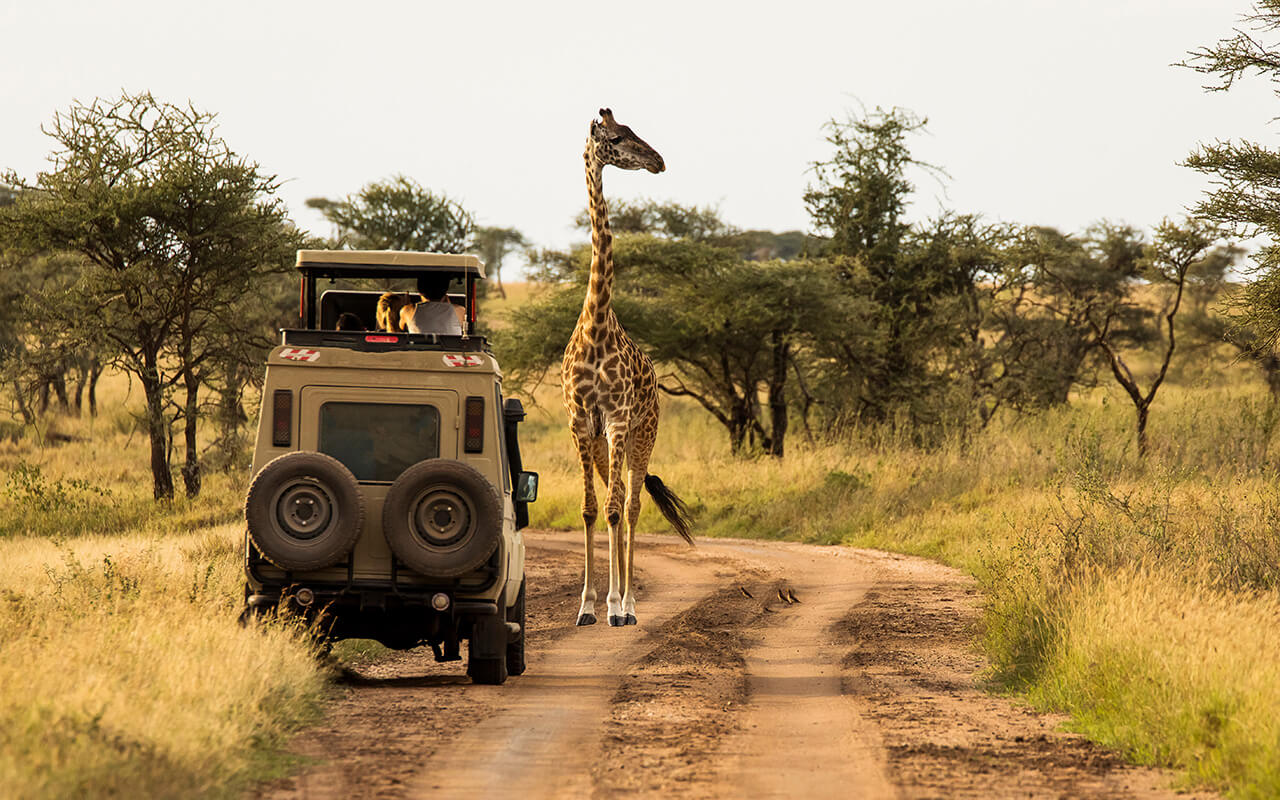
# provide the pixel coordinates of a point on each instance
(613, 516)
(587, 611)
(633, 516)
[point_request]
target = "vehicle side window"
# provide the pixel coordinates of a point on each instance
(378, 441)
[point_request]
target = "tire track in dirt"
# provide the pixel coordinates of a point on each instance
(741, 695)
(545, 740)
(912, 664)
(386, 717)
(679, 701)
(801, 730)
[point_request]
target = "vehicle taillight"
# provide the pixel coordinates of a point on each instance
(282, 418)
(473, 438)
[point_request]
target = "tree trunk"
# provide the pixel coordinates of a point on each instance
(191, 463)
(1142, 409)
(60, 389)
(739, 426)
(162, 480)
(95, 372)
(81, 380)
(778, 395)
(23, 408)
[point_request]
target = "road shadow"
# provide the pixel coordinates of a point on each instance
(349, 677)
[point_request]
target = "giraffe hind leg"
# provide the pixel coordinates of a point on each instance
(638, 467)
(635, 484)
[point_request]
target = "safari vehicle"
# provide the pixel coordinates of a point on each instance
(388, 493)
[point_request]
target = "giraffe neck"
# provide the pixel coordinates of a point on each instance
(595, 308)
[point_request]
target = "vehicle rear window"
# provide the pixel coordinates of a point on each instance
(378, 441)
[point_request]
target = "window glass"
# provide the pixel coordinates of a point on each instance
(378, 441)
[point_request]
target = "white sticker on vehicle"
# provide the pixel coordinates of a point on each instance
(299, 354)
(455, 360)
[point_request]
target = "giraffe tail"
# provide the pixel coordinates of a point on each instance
(671, 506)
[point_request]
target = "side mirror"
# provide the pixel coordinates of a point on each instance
(526, 487)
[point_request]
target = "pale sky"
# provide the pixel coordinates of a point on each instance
(1042, 111)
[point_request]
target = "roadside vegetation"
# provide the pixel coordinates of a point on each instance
(123, 671)
(1140, 595)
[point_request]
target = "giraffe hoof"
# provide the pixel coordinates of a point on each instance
(587, 619)
(616, 622)
(630, 619)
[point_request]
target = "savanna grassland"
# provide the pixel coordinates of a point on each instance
(1140, 596)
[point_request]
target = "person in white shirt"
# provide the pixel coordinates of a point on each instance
(435, 314)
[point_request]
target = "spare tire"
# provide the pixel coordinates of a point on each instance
(304, 511)
(442, 518)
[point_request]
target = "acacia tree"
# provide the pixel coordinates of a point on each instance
(398, 214)
(171, 228)
(919, 282)
(493, 246)
(1246, 200)
(1166, 261)
(733, 335)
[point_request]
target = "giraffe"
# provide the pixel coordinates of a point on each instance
(611, 391)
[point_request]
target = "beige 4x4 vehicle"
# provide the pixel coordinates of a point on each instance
(388, 492)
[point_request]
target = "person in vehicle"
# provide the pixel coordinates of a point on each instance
(393, 307)
(348, 322)
(435, 314)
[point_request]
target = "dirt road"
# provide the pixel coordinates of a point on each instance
(757, 670)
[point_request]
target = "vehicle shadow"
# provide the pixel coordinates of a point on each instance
(349, 677)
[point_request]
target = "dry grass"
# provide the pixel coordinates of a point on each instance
(125, 672)
(1171, 671)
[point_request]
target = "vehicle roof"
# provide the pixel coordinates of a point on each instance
(385, 263)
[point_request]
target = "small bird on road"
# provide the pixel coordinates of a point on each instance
(744, 591)
(783, 597)
(791, 596)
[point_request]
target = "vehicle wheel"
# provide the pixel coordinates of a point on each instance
(304, 511)
(515, 647)
(442, 518)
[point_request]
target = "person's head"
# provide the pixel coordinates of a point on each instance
(349, 322)
(433, 287)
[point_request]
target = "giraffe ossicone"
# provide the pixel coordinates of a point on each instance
(611, 392)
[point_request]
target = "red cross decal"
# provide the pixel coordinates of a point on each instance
(299, 354)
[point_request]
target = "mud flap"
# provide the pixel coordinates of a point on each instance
(489, 637)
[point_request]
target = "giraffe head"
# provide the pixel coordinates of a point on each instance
(612, 143)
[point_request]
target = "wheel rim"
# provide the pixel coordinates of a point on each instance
(304, 509)
(441, 517)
